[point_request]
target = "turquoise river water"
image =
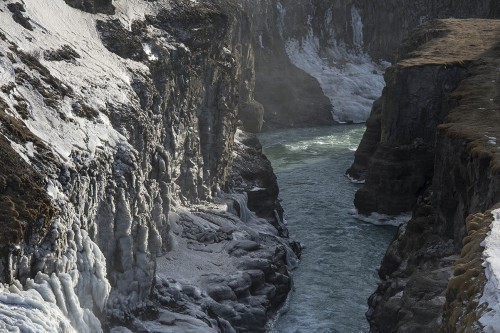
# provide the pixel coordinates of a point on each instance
(338, 268)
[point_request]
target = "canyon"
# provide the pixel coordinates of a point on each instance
(135, 197)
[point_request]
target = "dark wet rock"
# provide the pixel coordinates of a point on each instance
(240, 283)
(93, 6)
(414, 102)
(222, 310)
(370, 141)
(257, 277)
(125, 43)
(244, 244)
(255, 264)
(252, 116)
(267, 290)
(253, 173)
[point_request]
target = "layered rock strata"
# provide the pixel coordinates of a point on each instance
(442, 165)
(117, 137)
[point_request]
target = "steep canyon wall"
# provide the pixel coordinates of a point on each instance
(431, 148)
(121, 208)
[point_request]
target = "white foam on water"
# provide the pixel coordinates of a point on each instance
(381, 219)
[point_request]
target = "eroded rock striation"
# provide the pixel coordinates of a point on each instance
(436, 155)
(122, 209)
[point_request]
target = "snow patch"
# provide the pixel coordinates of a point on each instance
(129, 11)
(352, 81)
(7, 74)
(491, 263)
(149, 52)
(261, 42)
(354, 180)
(281, 18)
(21, 150)
(31, 311)
(491, 140)
(98, 77)
(30, 149)
(53, 191)
(45, 304)
(357, 28)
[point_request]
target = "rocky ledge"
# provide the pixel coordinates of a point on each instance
(431, 148)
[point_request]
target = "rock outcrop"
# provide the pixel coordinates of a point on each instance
(117, 139)
(437, 156)
(402, 127)
(93, 6)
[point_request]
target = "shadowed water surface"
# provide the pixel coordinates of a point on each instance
(338, 270)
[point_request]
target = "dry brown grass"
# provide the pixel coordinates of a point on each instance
(475, 45)
(466, 286)
(451, 41)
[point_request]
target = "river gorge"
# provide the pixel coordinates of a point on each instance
(341, 255)
(135, 195)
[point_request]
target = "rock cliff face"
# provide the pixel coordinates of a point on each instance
(310, 66)
(290, 96)
(313, 59)
(117, 139)
(414, 102)
(437, 156)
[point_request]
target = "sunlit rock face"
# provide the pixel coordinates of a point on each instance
(121, 208)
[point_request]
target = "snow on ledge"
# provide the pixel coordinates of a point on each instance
(491, 293)
(354, 180)
(381, 219)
